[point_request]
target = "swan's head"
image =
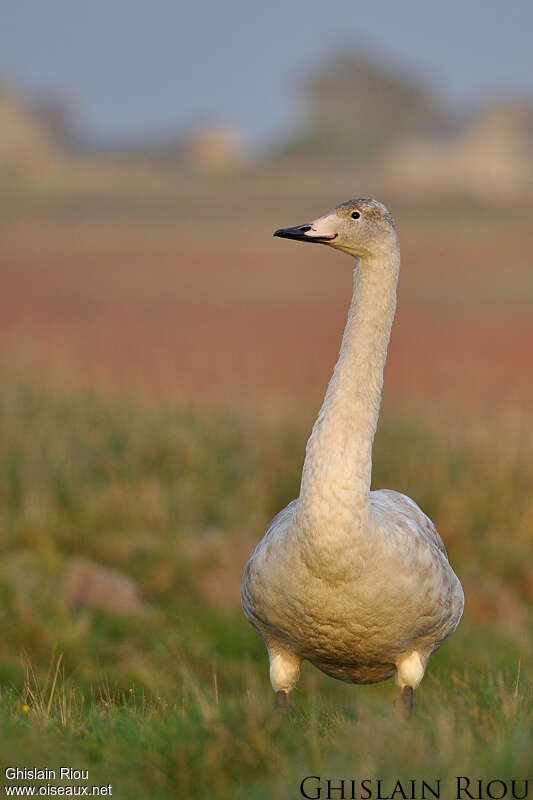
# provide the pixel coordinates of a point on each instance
(361, 227)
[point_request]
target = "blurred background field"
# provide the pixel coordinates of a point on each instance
(163, 359)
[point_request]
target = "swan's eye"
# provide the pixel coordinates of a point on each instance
(355, 215)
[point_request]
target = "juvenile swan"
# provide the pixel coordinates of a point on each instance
(356, 582)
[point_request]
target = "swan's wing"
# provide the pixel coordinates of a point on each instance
(253, 584)
(280, 520)
(399, 511)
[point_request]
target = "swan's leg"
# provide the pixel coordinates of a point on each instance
(404, 700)
(284, 672)
(409, 673)
(283, 700)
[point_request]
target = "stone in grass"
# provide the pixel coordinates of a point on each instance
(91, 585)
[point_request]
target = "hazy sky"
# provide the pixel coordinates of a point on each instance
(139, 67)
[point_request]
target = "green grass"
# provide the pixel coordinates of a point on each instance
(177, 703)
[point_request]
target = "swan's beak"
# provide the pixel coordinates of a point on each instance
(322, 230)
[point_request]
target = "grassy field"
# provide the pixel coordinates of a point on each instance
(159, 687)
(160, 372)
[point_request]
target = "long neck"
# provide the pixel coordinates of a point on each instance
(338, 463)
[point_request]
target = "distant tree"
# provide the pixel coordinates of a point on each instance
(357, 107)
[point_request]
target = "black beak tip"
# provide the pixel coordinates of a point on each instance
(297, 232)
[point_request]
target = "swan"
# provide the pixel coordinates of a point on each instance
(355, 581)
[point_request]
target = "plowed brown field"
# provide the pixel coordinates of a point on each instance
(241, 316)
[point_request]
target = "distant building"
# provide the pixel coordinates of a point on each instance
(25, 142)
(215, 147)
(32, 135)
(491, 157)
(37, 138)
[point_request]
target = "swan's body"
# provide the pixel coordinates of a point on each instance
(356, 582)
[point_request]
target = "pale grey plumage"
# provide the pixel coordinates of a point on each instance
(356, 582)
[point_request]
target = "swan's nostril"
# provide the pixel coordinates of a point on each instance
(304, 228)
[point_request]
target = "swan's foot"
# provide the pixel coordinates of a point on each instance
(283, 700)
(404, 701)
(284, 672)
(409, 672)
